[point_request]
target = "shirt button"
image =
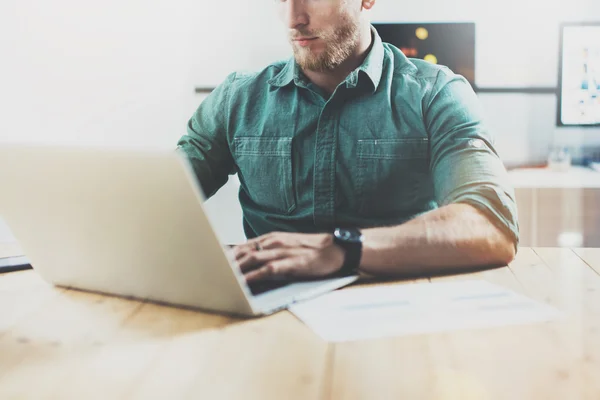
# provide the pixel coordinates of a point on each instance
(477, 143)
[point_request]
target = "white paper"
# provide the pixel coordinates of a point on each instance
(368, 313)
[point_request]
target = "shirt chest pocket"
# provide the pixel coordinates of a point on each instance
(265, 171)
(393, 175)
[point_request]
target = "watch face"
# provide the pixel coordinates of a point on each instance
(348, 235)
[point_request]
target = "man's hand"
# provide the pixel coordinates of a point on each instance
(296, 255)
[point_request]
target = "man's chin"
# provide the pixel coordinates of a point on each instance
(315, 66)
(311, 62)
(311, 65)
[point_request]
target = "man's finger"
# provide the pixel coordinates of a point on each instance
(244, 249)
(282, 268)
(258, 258)
(278, 240)
(270, 241)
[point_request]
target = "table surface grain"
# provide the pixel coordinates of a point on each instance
(67, 344)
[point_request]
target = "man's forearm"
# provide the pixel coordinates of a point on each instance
(451, 237)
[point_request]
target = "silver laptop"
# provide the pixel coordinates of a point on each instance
(129, 223)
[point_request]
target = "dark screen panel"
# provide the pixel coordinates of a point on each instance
(452, 44)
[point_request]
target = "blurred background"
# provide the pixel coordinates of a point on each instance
(116, 73)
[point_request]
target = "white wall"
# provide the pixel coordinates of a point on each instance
(108, 72)
(124, 72)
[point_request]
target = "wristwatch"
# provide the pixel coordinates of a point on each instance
(351, 240)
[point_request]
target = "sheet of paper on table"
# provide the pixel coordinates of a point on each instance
(368, 313)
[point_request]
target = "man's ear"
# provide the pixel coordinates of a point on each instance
(368, 4)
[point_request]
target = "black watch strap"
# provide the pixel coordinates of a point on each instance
(351, 240)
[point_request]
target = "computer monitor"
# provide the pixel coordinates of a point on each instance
(449, 44)
(579, 75)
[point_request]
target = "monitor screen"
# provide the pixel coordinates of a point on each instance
(579, 75)
(449, 44)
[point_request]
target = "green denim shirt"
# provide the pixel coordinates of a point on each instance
(398, 137)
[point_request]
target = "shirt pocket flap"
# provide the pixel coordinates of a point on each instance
(393, 149)
(258, 146)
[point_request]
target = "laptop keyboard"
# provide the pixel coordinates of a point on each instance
(259, 287)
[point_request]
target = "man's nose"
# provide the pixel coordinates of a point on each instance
(296, 14)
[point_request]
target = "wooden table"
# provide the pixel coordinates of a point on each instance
(63, 344)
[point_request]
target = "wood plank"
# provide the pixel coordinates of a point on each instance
(591, 256)
(117, 368)
(414, 367)
(391, 368)
(519, 361)
(164, 352)
(431, 366)
(501, 276)
(571, 287)
(482, 355)
(530, 270)
(77, 347)
(363, 368)
(270, 358)
(21, 280)
(491, 366)
(41, 351)
(80, 345)
(528, 361)
(21, 294)
(578, 285)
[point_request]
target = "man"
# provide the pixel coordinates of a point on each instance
(351, 134)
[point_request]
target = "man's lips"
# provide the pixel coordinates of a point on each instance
(304, 41)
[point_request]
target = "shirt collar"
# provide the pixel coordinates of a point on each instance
(372, 66)
(286, 75)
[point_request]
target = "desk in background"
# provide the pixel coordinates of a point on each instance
(65, 344)
(558, 208)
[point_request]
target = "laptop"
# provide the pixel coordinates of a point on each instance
(130, 223)
(13, 264)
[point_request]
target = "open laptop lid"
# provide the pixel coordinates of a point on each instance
(118, 221)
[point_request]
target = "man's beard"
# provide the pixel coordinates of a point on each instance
(339, 45)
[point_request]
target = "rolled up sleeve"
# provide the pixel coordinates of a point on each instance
(465, 165)
(206, 144)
